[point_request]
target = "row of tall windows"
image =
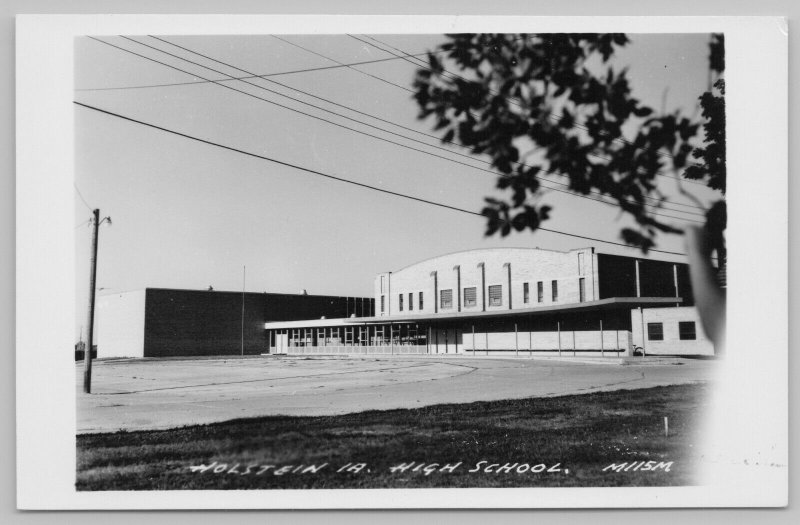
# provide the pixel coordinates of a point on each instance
(471, 297)
(540, 292)
(526, 297)
(495, 295)
(400, 302)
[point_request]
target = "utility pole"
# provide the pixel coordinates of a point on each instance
(87, 353)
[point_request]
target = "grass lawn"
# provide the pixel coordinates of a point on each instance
(544, 442)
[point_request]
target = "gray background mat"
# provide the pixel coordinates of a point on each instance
(9, 8)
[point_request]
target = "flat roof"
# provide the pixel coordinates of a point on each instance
(603, 304)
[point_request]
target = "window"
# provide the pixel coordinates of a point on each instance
(555, 291)
(540, 291)
(383, 303)
(526, 293)
(401, 302)
(687, 330)
(420, 300)
(446, 299)
(382, 283)
(655, 331)
(581, 289)
(496, 295)
(410, 301)
(470, 296)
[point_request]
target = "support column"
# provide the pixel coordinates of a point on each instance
(428, 340)
(457, 269)
(573, 343)
(638, 287)
(516, 340)
(435, 291)
(389, 293)
(644, 335)
(675, 279)
(508, 266)
(602, 354)
(473, 340)
(559, 337)
(530, 340)
(483, 286)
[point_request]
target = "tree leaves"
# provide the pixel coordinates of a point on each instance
(488, 92)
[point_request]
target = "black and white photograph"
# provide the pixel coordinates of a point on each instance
(412, 258)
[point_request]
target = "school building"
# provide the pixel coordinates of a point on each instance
(514, 301)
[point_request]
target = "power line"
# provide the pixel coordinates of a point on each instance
(358, 121)
(452, 142)
(293, 109)
(456, 144)
(349, 66)
(333, 177)
(400, 126)
(571, 193)
(276, 161)
(281, 73)
(420, 63)
(404, 56)
(600, 195)
(82, 199)
(291, 72)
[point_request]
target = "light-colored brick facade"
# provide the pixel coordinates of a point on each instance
(667, 323)
(482, 269)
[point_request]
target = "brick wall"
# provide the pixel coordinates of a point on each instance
(161, 322)
(188, 322)
(672, 344)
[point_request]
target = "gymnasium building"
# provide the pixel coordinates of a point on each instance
(164, 322)
(514, 301)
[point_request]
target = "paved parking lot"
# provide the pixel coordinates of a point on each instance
(156, 394)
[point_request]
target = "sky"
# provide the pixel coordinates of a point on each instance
(190, 215)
